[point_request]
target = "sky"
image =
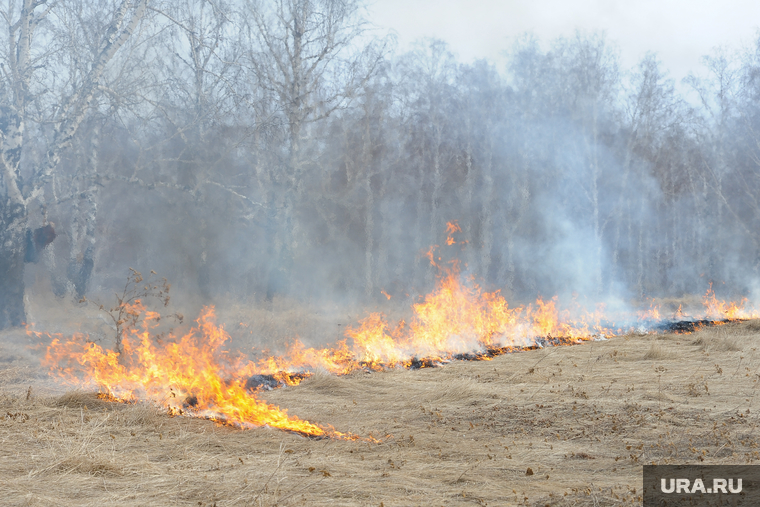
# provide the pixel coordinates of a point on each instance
(680, 32)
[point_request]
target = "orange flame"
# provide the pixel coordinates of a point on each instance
(457, 318)
(190, 375)
(720, 309)
(194, 375)
(451, 228)
(654, 312)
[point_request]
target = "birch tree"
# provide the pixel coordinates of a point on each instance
(307, 54)
(35, 91)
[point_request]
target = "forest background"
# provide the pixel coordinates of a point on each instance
(249, 150)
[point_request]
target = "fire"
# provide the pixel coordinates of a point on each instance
(451, 228)
(195, 375)
(720, 309)
(713, 309)
(191, 375)
(456, 319)
(653, 314)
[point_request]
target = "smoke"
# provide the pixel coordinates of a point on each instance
(558, 187)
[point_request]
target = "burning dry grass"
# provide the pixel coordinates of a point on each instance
(557, 426)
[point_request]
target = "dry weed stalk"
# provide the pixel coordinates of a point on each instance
(124, 314)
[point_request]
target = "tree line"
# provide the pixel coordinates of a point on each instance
(252, 149)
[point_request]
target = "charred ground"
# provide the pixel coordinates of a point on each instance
(559, 426)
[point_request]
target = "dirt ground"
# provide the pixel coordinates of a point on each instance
(558, 426)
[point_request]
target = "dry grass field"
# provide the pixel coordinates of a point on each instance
(558, 426)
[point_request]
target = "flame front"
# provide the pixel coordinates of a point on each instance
(190, 375)
(719, 309)
(194, 375)
(456, 318)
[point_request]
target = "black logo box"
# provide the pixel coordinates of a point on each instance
(655, 497)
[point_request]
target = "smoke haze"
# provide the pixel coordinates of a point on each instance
(568, 173)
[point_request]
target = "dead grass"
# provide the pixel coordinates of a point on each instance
(81, 399)
(658, 352)
(727, 338)
(583, 419)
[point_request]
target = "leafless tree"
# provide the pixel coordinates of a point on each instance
(35, 93)
(305, 52)
(310, 56)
